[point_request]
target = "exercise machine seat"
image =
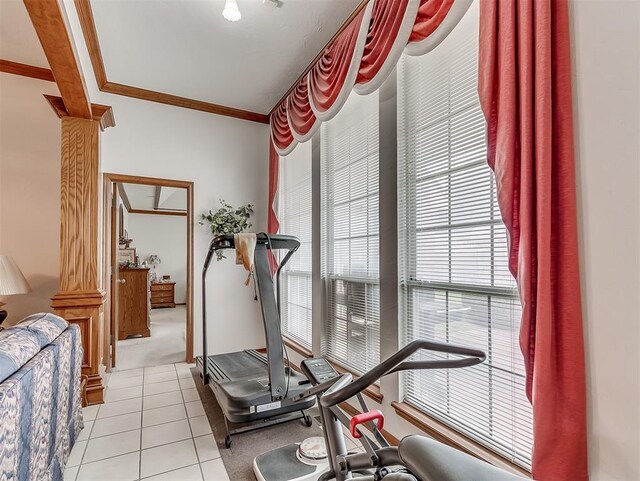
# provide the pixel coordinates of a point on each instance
(431, 460)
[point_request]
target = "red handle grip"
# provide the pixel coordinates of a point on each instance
(365, 418)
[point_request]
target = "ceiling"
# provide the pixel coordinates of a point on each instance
(142, 197)
(186, 47)
(18, 39)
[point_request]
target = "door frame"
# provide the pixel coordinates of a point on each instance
(109, 179)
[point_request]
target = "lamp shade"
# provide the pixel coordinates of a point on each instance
(11, 279)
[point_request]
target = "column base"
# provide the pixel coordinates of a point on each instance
(86, 309)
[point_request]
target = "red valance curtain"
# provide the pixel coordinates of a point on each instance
(360, 58)
(389, 29)
(303, 123)
(525, 92)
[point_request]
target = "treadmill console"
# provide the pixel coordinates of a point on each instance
(318, 370)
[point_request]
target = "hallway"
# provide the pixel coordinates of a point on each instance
(166, 345)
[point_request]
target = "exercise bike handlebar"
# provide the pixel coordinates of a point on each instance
(344, 389)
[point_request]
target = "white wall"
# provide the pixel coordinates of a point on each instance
(225, 158)
(606, 47)
(166, 237)
(30, 190)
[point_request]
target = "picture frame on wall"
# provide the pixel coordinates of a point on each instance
(127, 256)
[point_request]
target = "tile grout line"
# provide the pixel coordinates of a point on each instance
(84, 451)
(193, 440)
(171, 470)
(104, 459)
(141, 423)
(146, 449)
(140, 449)
(151, 425)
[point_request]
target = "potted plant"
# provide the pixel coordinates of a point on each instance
(228, 220)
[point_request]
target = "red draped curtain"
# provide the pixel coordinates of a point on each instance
(525, 92)
(273, 225)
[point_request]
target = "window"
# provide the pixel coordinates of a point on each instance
(295, 219)
(455, 285)
(349, 155)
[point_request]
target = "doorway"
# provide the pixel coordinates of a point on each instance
(148, 271)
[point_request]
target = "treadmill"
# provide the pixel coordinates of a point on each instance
(252, 389)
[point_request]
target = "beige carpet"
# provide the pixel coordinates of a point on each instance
(166, 345)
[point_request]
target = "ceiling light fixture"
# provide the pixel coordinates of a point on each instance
(231, 11)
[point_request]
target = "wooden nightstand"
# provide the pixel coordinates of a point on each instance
(163, 294)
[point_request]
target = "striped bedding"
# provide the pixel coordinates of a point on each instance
(40, 398)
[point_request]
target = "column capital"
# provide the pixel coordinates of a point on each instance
(100, 113)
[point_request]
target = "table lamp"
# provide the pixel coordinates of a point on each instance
(11, 282)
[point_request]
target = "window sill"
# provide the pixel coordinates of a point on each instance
(450, 437)
(373, 391)
(297, 347)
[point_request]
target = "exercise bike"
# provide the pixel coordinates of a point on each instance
(416, 458)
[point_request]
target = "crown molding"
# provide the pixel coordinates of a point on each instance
(85, 15)
(187, 103)
(159, 212)
(15, 68)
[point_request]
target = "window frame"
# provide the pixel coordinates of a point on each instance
(409, 283)
(330, 280)
(295, 342)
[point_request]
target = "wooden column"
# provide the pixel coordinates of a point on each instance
(80, 298)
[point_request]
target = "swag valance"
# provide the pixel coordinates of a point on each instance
(360, 58)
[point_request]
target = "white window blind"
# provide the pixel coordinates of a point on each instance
(455, 286)
(350, 250)
(295, 219)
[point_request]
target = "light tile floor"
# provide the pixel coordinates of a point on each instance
(152, 426)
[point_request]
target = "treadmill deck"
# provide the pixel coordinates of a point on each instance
(240, 382)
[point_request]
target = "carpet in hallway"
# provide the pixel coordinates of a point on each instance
(166, 345)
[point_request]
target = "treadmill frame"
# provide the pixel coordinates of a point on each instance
(270, 306)
(265, 244)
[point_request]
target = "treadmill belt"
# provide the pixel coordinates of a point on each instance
(240, 365)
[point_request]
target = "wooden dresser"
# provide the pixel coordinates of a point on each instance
(163, 294)
(133, 303)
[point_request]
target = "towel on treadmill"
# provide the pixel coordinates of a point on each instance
(245, 250)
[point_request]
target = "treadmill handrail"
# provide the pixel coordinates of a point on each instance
(344, 389)
(273, 241)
